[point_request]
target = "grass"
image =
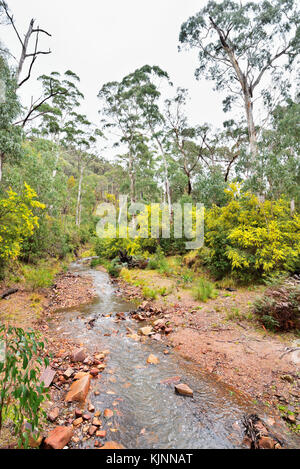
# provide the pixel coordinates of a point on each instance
(39, 276)
(150, 293)
(160, 263)
(204, 290)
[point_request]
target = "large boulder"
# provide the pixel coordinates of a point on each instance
(78, 390)
(58, 438)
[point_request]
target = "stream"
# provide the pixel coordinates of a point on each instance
(149, 414)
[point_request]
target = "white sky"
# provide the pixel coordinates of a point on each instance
(103, 41)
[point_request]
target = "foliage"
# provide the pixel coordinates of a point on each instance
(39, 276)
(21, 393)
(114, 268)
(249, 238)
(17, 220)
(10, 135)
(150, 293)
(204, 290)
(279, 307)
(240, 44)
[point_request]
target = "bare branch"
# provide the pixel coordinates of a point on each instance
(11, 19)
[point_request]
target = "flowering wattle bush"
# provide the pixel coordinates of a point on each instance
(250, 238)
(17, 220)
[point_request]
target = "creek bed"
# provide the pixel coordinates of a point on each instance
(149, 414)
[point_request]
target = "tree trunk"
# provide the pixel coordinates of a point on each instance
(292, 207)
(132, 179)
(189, 188)
(78, 209)
(24, 50)
(250, 124)
(167, 186)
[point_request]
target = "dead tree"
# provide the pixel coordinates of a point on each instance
(32, 32)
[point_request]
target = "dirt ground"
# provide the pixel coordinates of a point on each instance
(223, 337)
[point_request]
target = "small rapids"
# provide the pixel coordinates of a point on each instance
(149, 414)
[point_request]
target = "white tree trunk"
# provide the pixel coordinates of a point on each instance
(132, 179)
(251, 126)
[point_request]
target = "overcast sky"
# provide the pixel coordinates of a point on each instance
(103, 41)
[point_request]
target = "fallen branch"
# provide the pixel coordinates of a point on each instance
(9, 292)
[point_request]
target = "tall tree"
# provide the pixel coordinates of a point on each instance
(63, 98)
(79, 140)
(188, 143)
(142, 84)
(10, 136)
(241, 47)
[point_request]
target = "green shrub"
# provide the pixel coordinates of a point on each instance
(95, 262)
(204, 290)
(113, 268)
(249, 239)
(159, 262)
(149, 293)
(21, 393)
(279, 307)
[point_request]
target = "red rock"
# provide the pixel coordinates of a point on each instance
(184, 389)
(78, 390)
(79, 375)
(58, 438)
(78, 412)
(86, 417)
(108, 413)
(79, 355)
(94, 371)
(47, 376)
(92, 430)
(91, 408)
(78, 421)
(52, 416)
(96, 422)
(101, 433)
(112, 445)
(266, 442)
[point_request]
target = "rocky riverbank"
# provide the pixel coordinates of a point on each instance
(259, 364)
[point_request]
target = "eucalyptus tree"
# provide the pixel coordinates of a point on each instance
(121, 119)
(278, 165)
(187, 143)
(243, 47)
(10, 136)
(54, 115)
(145, 84)
(131, 110)
(79, 141)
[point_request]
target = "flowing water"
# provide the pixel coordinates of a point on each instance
(149, 414)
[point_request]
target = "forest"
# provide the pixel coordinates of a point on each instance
(58, 166)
